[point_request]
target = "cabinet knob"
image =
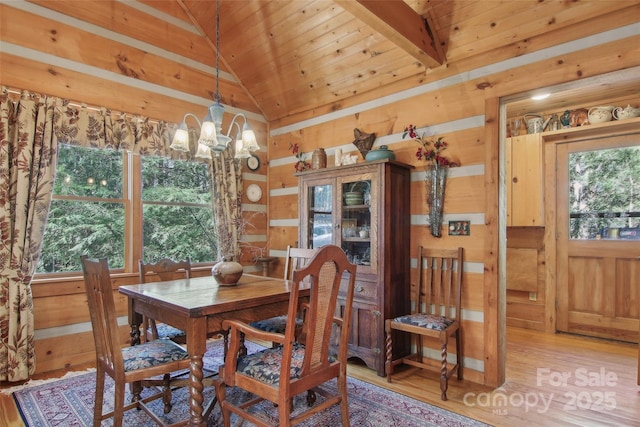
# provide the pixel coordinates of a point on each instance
(515, 179)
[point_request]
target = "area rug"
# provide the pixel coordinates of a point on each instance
(69, 402)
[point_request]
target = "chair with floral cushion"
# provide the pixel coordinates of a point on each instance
(165, 269)
(436, 314)
(296, 257)
(135, 365)
(278, 374)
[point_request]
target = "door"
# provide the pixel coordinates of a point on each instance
(598, 237)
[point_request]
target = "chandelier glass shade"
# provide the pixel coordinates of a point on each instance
(211, 137)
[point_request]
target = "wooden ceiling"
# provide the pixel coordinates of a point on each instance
(313, 56)
(294, 56)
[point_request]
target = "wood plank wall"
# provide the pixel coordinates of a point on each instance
(48, 53)
(454, 109)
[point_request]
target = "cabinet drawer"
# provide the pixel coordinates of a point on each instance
(363, 290)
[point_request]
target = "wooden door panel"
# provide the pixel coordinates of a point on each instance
(585, 285)
(627, 292)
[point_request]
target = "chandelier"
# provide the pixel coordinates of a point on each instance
(211, 137)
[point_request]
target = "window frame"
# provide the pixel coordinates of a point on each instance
(133, 221)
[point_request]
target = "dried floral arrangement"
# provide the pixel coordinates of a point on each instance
(302, 164)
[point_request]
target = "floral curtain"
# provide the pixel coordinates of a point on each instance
(28, 150)
(31, 127)
(227, 204)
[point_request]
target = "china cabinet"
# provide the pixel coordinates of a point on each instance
(364, 208)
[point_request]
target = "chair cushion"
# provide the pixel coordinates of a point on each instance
(265, 365)
(275, 324)
(168, 331)
(428, 321)
(152, 353)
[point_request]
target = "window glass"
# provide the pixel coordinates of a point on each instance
(604, 201)
(87, 211)
(178, 219)
(320, 200)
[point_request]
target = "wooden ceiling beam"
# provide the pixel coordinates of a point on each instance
(398, 22)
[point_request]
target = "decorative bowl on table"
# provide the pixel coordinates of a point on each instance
(227, 273)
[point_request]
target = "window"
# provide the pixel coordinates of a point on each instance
(87, 214)
(95, 212)
(178, 219)
(604, 194)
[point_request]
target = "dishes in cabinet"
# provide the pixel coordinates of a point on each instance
(352, 198)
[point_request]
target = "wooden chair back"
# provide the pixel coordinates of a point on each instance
(440, 279)
(97, 281)
(165, 269)
(325, 271)
(296, 258)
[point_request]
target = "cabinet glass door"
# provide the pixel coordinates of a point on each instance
(357, 220)
(320, 215)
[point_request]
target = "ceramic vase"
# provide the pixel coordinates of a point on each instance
(227, 273)
(435, 180)
(319, 159)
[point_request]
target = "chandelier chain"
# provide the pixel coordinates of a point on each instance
(217, 96)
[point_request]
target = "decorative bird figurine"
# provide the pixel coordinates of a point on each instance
(364, 141)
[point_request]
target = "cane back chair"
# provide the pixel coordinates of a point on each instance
(280, 373)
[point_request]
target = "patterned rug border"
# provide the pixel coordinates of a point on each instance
(70, 403)
(33, 383)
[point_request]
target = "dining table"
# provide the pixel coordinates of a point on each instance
(198, 306)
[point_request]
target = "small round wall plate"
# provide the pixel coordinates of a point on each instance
(253, 162)
(254, 192)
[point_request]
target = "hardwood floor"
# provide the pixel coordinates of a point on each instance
(552, 380)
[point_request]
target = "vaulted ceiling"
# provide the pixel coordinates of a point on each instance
(283, 57)
(299, 55)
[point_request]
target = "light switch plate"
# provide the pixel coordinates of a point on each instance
(459, 228)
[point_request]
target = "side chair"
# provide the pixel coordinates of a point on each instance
(135, 365)
(435, 316)
(296, 257)
(291, 368)
(165, 269)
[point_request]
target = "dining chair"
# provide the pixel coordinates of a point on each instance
(278, 374)
(165, 269)
(436, 314)
(296, 257)
(133, 365)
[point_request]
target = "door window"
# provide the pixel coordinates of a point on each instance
(604, 194)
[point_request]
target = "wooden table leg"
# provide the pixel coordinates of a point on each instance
(195, 389)
(196, 345)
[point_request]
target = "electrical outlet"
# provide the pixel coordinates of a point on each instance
(533, 296)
